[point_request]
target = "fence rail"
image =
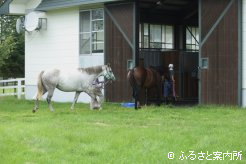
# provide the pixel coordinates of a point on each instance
(12, 87)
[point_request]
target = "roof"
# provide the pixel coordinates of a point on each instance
(56, 4)
(52, 4)
(5, 7)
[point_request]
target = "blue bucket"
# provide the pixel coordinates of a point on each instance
(128, 105)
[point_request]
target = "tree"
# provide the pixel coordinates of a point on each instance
(1, 2)
(13, 53)
(11, 48)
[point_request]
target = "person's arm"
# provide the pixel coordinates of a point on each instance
(172, 76)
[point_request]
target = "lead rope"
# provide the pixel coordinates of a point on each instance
(100, 84)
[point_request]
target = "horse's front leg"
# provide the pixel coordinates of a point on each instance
(146, 96)
(101, 97)
(137, 90)
(36, 106)
(75, 99)
(94, 103)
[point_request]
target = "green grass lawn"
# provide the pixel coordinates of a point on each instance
(118, 135)
(9, 90)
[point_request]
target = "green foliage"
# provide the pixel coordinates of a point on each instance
(116, 134)
(11, 49)
(6, 48)
(13, 63)
(1, 2)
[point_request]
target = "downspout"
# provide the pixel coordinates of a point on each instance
(136, 33)
(240, 52)
(242, 56)
(135, 50)
(200, 52)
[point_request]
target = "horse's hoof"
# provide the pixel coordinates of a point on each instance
(96, 108)
(33, 111)
(139, 107)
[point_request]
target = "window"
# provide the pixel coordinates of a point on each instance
(192, 38)
(156, 36)
(91, 31)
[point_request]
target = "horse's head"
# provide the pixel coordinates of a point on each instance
(108, 73)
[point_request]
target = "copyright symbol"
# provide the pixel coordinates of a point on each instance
(170, 155)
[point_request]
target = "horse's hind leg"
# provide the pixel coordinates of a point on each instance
(36, 106)
(49, 96)
(75, 99)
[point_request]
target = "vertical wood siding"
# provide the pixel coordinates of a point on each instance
(219, 83)
(211, 10)
(118, 50)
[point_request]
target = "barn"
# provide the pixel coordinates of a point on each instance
(204, 39)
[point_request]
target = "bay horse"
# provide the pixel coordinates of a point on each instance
(74, 80)
(146, 78)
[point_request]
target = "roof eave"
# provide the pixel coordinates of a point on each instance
(4, 9)
(46, 7)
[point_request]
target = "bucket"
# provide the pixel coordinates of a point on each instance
(128, 105)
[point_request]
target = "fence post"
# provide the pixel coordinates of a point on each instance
(19, 89)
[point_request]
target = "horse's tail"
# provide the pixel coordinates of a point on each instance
(40, 87)
(133, 83)
(131, 78)
(135, 87)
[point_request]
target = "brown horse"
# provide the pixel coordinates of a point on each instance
(140, 77)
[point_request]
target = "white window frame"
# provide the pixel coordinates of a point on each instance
(194, 41)
(164, 43)
(91, 32)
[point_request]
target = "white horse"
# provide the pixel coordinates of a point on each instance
(74, 80)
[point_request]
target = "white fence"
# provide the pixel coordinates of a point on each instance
(12, 87)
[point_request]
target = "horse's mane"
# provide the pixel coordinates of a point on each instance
(91, 70)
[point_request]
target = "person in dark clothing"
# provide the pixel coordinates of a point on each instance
(168, 83)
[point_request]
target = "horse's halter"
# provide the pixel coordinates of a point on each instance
(108, 74)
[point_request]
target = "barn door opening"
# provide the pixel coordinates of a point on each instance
(169, 33)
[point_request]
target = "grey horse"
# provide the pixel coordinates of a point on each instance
(74, 80)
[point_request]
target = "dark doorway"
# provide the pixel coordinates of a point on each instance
(169, 33)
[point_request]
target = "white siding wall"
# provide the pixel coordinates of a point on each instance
(244, 55)
(58, 46)
(55, 47)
